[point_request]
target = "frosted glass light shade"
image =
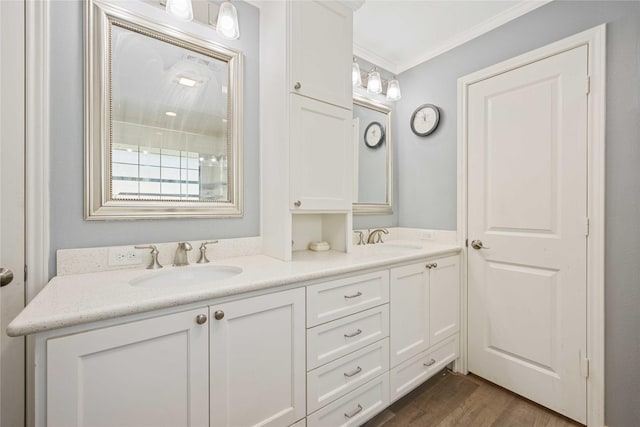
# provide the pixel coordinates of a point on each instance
(180, 9)
(393, 90)
(356, 79)
(374, 85)
(227, 25)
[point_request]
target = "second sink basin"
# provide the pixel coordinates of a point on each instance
(182, 276)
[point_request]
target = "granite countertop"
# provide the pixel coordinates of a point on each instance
(83, 298)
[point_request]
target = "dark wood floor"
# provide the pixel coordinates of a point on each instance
(449, 399)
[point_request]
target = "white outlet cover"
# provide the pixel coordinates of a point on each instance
(124, 255)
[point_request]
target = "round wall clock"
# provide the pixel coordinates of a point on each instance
(425, 119)
(373, 135)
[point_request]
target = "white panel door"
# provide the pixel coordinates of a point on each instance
(12, 382)
(322, 51)
(527, 204)
(258, 361)
(409, 313)
(321, 156)
(153, 372)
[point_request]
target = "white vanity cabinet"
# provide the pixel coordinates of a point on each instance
(425, 321)
(150, 372)
(257, 351)
(321, 51)
(321, 157)
(240, 363)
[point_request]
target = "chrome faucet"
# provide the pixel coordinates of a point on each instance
(203, 252)
(154, 264)
(182, 257)
(376, 235)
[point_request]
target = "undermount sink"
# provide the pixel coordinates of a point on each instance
(182, 276)
(388, 248)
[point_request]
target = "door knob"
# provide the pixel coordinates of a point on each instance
(477, 244)
(6, 276)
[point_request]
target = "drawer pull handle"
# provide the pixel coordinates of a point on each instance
(354, 372)
(353, 334)
(354, 412)
(356, 295)
(430, 362)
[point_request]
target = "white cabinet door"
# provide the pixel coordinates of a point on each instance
(321, 49)
(409, 311)
(257, 350)
(153, 372)
(444, 298)
(321, 156)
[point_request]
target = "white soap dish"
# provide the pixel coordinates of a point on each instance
(319, 246)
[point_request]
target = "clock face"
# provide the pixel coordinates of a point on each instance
(373, 135)
(425, 119)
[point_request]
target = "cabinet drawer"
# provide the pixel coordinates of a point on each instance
(341, 376)
(335, 339)
(356, 407)
(418, 369)
(338, 298)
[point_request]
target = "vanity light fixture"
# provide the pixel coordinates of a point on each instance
(180, 9)
(227, 25)
(393, 90)
(356, 79)
(170, 114)
(374, 82)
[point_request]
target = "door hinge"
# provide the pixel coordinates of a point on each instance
(25, 274)
(584, 366)
(588, 85)
(586, 227)
(466, 243)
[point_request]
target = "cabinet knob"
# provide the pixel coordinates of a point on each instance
(297, 203)
(297, 86)
(201, 319)
(435, 265)
(219, 315)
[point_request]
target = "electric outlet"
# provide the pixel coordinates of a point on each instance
(427, 235)
(124, 255)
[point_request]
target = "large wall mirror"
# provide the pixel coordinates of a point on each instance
(373, 157)
(163, 120)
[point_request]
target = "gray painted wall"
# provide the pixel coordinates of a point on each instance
(68, 228)
(427, 171)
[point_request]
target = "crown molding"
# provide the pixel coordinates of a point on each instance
(374, 58)
(502, 18)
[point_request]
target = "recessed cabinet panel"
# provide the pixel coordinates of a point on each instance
(444, 299)
(151, 372)
(338, 298)
(257, 360)
(321, 156)
(410, 374)
(331, 340)
(321, 51)
(409, 311)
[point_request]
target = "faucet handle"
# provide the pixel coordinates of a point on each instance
(203, 251)
(154, 264)
(360, 237)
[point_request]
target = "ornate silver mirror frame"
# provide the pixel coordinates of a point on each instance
(385, 204)
(99, 203)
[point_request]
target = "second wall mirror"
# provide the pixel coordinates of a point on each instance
(163, 120)
(373, 151)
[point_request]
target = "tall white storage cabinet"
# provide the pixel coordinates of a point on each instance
(152, 372)
(306, 114)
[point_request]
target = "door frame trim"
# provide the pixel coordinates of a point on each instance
(595, 40)
(37, 190)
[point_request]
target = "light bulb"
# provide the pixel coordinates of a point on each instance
(356, 79)
(393, 90)
(180, 9)
(227, 25)
(374, 85)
